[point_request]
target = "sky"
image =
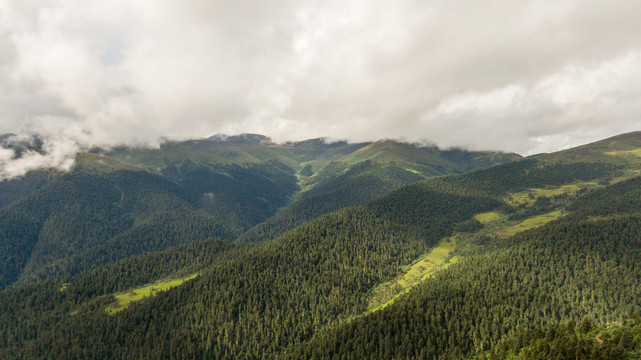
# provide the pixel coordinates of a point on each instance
(512, 75)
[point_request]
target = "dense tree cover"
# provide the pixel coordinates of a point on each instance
(91, 217)
(467, 161)
(303, 294)
(82, 220)
(83, 294)
(573, 341)
(620, 198)
(366, 174)
(241, 196)
(337, 186)
(15, 189)
(522, 175)
(541, 205)
(108, 207)
(567, 271)
(144, 268)
(254, 303)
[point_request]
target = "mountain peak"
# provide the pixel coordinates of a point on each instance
(245, 138)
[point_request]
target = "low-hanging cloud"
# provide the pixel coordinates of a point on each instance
(523, 76)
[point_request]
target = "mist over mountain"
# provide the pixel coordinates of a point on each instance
(83, 75)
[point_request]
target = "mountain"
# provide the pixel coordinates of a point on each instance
(367, 173)
(474, 265)
(130, 201)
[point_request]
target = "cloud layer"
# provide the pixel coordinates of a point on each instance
(524, 76)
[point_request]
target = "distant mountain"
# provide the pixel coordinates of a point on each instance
(241, 139)
(365, 174)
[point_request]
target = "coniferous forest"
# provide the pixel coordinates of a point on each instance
(245, 249)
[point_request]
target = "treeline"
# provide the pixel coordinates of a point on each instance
(567, 271)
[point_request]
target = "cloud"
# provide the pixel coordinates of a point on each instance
(520, 76)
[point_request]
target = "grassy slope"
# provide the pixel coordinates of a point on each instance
(126, 298)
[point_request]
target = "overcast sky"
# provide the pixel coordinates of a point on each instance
(521, 76)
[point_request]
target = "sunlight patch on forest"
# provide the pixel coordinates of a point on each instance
(438, 258)
(636, 152)
(123, 300)
(487, 217)
(529, 196)
(531, 223)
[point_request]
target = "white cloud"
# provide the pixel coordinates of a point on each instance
(520, 76)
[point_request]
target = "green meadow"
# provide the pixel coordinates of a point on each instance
(124, 299)
(440, 257)
(487, 217)
(528, 224)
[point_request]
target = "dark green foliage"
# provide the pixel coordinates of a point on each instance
(541, 205)
(29, 311)
(144, 268)
(336, 188)
(16, 189)
(243, 196)
(469, 226)
(573, 341)
(522, 175)
(303, 295)
(558, 273)
(307, 170)
(366, 174)
(110, 217)
(621, 198)
(469, 161)
(257, 299)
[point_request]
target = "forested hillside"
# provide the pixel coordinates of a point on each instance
(370, 172)
(271, 295)
(536, 258)
(564, 272)
(130, 201)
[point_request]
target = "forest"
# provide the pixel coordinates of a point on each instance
(545, 264)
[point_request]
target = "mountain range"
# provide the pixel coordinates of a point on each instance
(238, 247)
